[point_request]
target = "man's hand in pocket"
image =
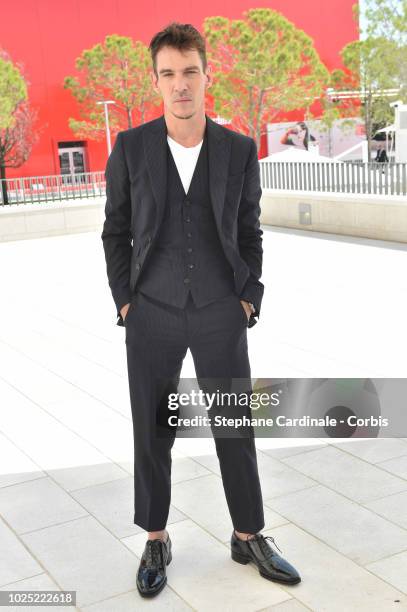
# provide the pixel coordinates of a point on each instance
(246, 308)
(123, 311)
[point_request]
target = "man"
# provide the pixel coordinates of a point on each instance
(186, 192)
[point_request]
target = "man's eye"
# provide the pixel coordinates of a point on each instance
(187, 72)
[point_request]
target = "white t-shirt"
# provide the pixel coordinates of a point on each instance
(185, 159)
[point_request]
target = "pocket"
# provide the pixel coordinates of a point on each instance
(246, 320)
(127, 315)
(130, 308)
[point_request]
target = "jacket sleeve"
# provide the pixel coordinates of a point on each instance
(116, 234)
(250, 235)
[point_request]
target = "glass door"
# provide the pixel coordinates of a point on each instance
(72, 162)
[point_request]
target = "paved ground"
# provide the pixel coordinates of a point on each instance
(333, 307)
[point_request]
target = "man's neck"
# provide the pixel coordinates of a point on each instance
(187, 132)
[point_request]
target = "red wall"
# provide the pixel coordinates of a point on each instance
(47, 37)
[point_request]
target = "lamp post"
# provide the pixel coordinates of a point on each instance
(105, 105)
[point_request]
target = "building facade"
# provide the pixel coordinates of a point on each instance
(47, 37)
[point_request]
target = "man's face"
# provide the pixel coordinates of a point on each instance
(181, 81)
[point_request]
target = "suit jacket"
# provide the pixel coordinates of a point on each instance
(136, 179)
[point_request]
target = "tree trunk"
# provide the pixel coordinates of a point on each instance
(129, 121)
(3, 184)
(259, 120)
(368, 126)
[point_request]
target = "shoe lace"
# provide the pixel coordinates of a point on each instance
(263, 545)
(153, 554)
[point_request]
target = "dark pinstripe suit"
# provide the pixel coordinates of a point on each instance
(160, 331)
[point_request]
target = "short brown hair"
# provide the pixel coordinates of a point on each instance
(181, 36)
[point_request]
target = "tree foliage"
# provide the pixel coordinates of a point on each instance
(117, 70)
(374, 64)
(17, 118)
(263, 66)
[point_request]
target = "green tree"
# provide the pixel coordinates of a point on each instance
(263, 66)
(370, 67)
(388, 18)
(17, 136)
(115, 70)
(375, 63)
(13, 90)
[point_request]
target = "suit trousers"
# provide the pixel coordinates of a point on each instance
(158, 336)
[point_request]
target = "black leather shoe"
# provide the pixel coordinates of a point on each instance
(152, 572)
(271, 565)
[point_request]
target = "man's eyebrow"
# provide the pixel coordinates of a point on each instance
(171, 70)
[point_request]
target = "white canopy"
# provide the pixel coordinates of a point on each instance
(389, 128)
(294, 154)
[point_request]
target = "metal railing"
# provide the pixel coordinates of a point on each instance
(339, 177)
(53, 188)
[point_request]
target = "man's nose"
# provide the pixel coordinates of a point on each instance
(181, 85)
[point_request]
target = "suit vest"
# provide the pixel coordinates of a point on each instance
(188, 257)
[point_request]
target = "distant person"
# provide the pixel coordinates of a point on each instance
(381, 155)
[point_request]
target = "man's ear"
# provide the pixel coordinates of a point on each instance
(208, 76)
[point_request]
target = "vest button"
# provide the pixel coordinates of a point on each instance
(137, 266)
(188, 219)
(189, 235)
(189, 249)
(187, 202)
(186, 280)
(191, 266)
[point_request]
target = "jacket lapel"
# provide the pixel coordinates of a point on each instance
(218, 166)
(155, 149)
